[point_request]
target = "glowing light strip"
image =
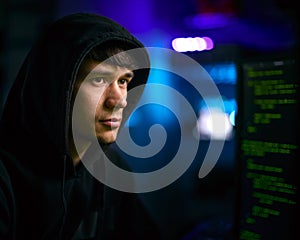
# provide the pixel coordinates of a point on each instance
(191, 44)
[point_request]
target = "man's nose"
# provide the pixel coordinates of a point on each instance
(115, 96)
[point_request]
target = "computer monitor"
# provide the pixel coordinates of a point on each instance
(267, 125)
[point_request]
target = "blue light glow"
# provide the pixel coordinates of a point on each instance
(225, 73)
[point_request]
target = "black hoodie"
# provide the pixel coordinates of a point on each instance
(42, 195)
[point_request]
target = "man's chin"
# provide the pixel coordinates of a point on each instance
(106, 139)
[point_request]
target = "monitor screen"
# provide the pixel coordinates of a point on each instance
(268, 150)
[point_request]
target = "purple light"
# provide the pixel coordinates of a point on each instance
(190, 44)
(209, 43)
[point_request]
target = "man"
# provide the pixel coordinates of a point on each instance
(101, 93)
(45, 190)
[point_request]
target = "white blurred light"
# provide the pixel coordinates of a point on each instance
(191, 44)
(214, 124)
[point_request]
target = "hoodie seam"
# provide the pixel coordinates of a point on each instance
(63, 197)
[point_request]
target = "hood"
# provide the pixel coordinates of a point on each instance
(37, 110)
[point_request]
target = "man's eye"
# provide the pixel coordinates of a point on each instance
(123, 81)
(98, 80)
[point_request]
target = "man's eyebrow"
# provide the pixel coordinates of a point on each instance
(101, 73)
(129, 74)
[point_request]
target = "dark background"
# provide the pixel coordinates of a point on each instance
(241, 30)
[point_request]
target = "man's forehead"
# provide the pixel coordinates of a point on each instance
(105, 68)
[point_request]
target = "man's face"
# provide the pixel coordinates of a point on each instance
(100, 100)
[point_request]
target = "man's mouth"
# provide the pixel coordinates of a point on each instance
(111, 122)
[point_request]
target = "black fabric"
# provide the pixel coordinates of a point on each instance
(7, 206)
(42, 194)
